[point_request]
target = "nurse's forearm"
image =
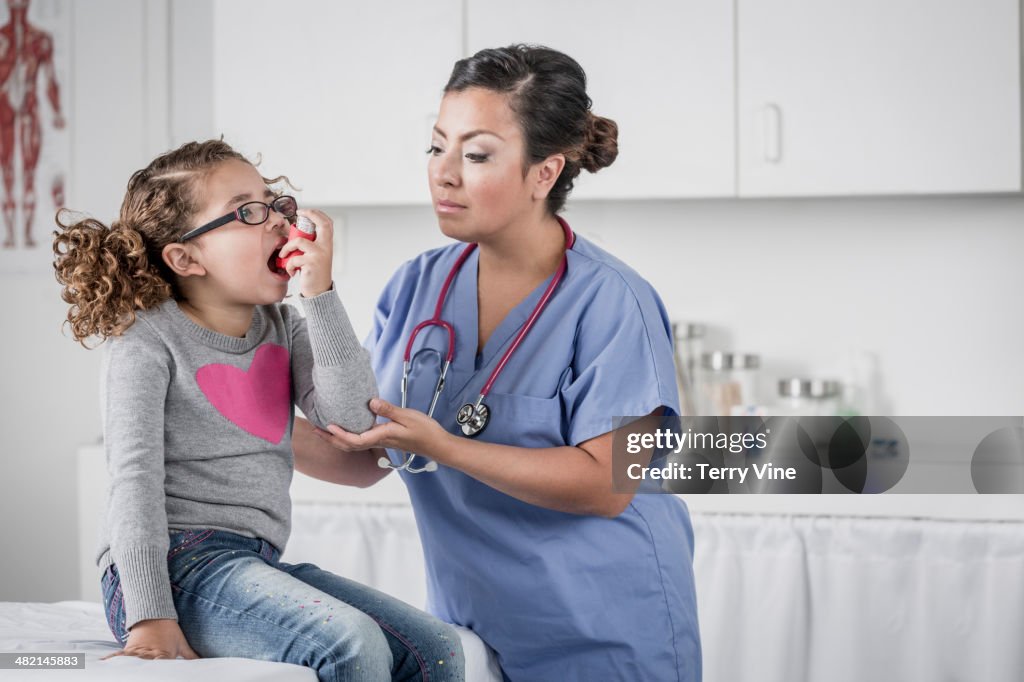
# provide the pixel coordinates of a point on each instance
(568, 479)
(319, 459)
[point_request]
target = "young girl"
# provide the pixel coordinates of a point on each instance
(198, 386)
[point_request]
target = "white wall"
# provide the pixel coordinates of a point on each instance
(49, 393)
(930, 284)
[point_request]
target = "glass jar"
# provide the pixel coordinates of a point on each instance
(809, 397)
(688, 343)
(729, 382)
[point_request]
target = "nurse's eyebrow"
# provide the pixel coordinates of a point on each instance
(245, 195)
(471, 133)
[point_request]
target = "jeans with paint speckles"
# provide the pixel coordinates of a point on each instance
(235, 598)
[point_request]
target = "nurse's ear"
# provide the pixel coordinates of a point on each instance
(545, 174)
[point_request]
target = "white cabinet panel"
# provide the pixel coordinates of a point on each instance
(878, 96)
(339, 96)
(662, 70)
(808, 97)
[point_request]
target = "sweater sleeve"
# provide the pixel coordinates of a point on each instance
(134, 390)
(331, 372)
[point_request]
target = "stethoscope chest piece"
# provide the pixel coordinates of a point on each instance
(473, 418)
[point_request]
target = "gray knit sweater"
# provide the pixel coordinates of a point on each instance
(198, 425)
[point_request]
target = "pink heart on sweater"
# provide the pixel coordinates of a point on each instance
(258, 401)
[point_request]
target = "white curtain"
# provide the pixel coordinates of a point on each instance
(792, 598)
(782, 598)
(374, 544)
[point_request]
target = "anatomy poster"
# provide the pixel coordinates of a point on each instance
(35, 147)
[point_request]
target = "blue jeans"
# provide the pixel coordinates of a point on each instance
(235, 598)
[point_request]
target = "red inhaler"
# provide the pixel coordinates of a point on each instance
(304, 229)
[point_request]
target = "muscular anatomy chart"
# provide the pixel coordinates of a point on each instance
(28, 85)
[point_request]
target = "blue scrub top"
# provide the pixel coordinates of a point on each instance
(558, 596)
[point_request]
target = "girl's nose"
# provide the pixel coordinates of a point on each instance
(276, 221)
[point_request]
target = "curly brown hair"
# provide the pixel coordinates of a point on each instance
(109, 273)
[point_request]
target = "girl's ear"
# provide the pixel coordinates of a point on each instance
(547, 171)
(179, 258)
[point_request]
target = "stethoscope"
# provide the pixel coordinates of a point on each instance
(471, 417)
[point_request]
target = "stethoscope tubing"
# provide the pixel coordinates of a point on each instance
(478, 408)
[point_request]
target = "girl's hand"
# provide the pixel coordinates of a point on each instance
(159, 638)
(408, 430)
(316, 257)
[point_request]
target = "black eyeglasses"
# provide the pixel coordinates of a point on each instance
(250, 213)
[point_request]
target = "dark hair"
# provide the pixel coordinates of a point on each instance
(108, 273)
(548, 94)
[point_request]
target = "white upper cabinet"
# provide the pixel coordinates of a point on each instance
(878, 96)
(339, 96)
(713, 98)
(661, 69)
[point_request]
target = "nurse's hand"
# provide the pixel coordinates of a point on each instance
(319, 456)
(408, 430)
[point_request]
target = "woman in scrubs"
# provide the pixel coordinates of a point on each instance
(525, 542)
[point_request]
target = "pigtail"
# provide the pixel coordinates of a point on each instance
(110, 273)
(107, 276)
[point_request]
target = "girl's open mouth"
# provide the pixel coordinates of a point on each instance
(272, 262)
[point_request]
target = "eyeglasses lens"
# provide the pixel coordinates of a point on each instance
(253, 213)
(286, 206)
(257, 212)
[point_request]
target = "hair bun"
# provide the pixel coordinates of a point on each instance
(600, 144)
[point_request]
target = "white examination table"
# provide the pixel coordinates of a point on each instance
(914, 588)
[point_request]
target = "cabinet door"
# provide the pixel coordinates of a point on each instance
(339, 96)
(878, 96)
(663, 70)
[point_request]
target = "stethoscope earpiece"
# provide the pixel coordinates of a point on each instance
(385, 463)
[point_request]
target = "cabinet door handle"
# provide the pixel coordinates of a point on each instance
(771, 118)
